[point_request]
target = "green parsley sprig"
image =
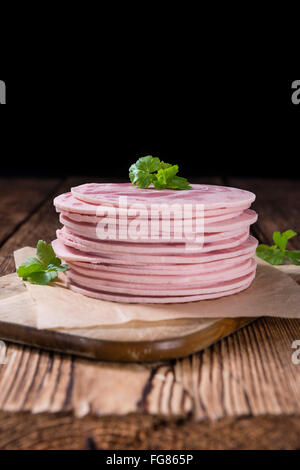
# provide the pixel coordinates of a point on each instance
(150, 170)
(278, 253)
(42, 268)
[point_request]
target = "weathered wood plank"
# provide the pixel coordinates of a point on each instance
(19, 198)
(134, 432)
(278, 206)
(40, 224)
(249, 373)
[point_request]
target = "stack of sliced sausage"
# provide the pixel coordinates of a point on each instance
(150, 263)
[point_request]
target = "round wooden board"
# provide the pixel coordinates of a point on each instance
(133, 341)
(161, 341)
(130, 342)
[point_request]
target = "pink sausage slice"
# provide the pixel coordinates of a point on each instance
(70, 254)
(113, 247)
(211, 196)
(243, 284)
(68, 203)
(178, 280)
(163, 269)
(214, 234)
(94, 219)
(207, 286)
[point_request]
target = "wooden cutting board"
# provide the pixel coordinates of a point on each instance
(133, 341)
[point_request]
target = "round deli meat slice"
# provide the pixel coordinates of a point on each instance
(146, 235)
(69, 204)
(113, 247)
(179, 280)
(106, 215)
(244, 283)
(212, 197)
(208, 286)
(68, 253)
(163, 269)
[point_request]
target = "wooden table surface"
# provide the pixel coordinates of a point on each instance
(242, 393)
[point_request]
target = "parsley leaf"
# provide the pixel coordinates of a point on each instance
(277, 253)
(150, 170)
(282, 239)
(270, 254)
(179, 183)
(140, 173)
(293, 256)
(42, 268)
(53, 267)
(165, 176)
(164, 165)
(46, 254)
(42, 278)
(30, 265)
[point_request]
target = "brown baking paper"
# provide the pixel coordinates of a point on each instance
(273, 293)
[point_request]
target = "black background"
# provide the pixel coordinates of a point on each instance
(97, 123)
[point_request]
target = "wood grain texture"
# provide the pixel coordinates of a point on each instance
(277, 204)
(134, 432)
(39, 223)
(248, 373)
(135, 341)
(19, 199)
(198, 402)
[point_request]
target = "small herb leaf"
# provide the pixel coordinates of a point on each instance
(277, 238)
(294, 256)
(282, 239)
(277, 254)
(46, 254)
(29, 266)
(149, 170)
(270, 254)
(42, 278)
(53, 267)
(140, 173)
(180, 183)
(42, 268)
